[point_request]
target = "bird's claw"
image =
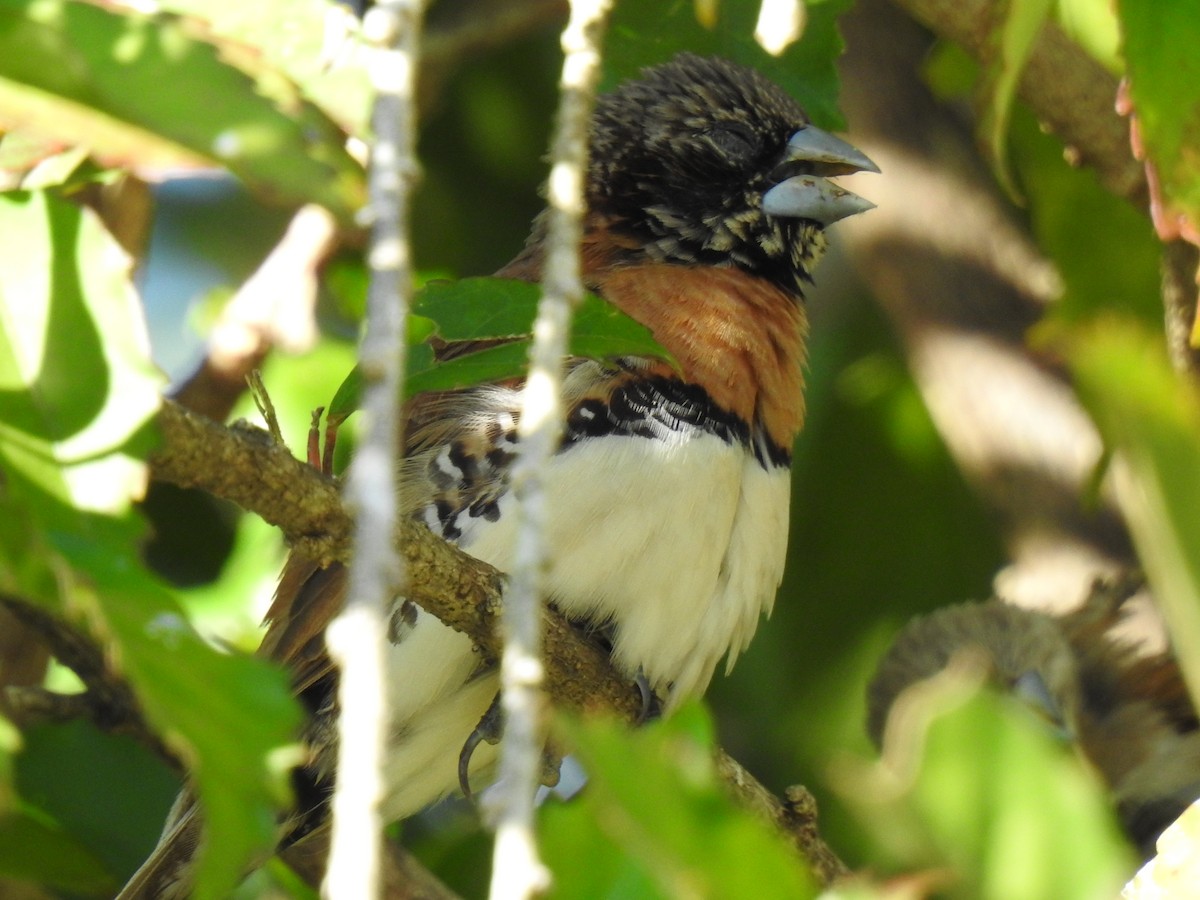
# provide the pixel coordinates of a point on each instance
(489, 729)
(651, 706)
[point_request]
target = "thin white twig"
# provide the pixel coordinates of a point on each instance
(516, 870)
(780, 24)
(357, 638)
(278, 301)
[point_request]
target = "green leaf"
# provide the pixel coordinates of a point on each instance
(1093, 25)
(316, 31)
(33, 846)
(36, 850)
(76, 390)
(643, 34)
(10, 743)
(228, 715)
(1076, 222)
(1151, 417)
(495, 363)
(978, 785)
(95, 75)
(70, 396)
(135, 790)
(1013, 42)
(665, 826)
(496, 308)
(1160, 41)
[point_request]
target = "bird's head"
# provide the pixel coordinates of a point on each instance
(1025, 652)
(704, 161)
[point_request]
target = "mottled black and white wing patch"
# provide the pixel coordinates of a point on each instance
(461, 446)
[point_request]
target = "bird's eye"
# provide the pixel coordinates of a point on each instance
(736, 143)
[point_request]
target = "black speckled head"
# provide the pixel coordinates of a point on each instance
(681, 159)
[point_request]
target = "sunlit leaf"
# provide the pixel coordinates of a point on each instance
(1151, 416)
(75, 378)
(1164, 83)
(321, 49)
(27, 163)
(76, 391)
(1093, 25)
(1023, 20)
(1175, 870)
(707, 12)
(95, 75)
(10, 742)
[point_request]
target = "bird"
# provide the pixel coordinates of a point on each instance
(708, 192)
(1127, 711)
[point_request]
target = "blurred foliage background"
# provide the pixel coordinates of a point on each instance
(947, 453)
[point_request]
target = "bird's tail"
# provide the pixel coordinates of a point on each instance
(168, 872)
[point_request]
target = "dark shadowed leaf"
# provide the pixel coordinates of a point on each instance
(35, 849)
(136, 790)
(643, 34)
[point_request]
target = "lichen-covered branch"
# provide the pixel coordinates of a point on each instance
(243, 464)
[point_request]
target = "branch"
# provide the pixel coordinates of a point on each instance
(1065, 87)
(241, 465)
(402, 877)
(23, 661)
(1076, 97)
(108, 702)
(795, 816)
(1179, 278)
(274, 307)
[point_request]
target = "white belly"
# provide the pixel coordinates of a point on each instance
(681, 543)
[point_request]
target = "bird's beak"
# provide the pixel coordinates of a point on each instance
(1031, 687)
(817, 155)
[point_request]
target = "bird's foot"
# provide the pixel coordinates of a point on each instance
(489, 729)
(651, 705)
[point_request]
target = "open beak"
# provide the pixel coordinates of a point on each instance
(815, 156)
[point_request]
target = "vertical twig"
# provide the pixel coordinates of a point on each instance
(516, 870)
(780, 24)
(357, 638)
